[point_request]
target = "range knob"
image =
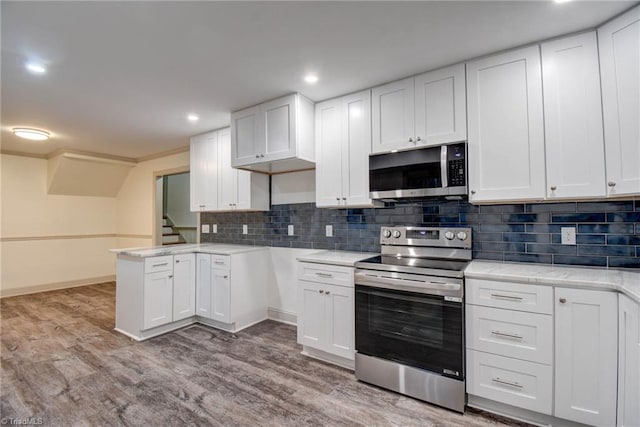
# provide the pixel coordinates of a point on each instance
(386, 233)
(449, 235)
(396, 234)
(462, 235)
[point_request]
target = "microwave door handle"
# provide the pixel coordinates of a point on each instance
(443, 166)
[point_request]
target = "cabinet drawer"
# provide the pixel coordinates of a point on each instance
(325, 273)
(220, 261)
(526, 336)
(512, 296)
(158, 263)
(526, 385)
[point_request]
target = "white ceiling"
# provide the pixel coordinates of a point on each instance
(123, 75)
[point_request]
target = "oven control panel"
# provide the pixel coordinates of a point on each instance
(451, 237)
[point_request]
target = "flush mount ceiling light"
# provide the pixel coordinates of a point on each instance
(32, 134)
(193, 117)
(311, 78)
(35, 68)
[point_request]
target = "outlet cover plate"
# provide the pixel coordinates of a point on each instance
(329, 230)
(568, 235)
(290, 230)
(245, 229)
(215, 227)
(205, 228)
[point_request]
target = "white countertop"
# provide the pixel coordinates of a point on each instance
(627, 282)
(336, 257)
(208, 248)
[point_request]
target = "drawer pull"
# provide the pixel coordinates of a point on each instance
(324, 275)
(161, 264)
(219, 262)
(502, 334)
(507, 297)
(509, 383)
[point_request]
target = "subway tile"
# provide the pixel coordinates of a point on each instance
(487, 237)
(609, 206)
(622, 262)
(588, 239)
(475, 218)
(551, 207)
(545, 228)
(623, 217)
(618, 228)
(579, 217)
(616, 239)
(504, 247)
(439, 219)
(491, 228)
(637, 203)
(500, 209)
(609, 250)
(593, 261)
(526, 237)
(520, 257)
(551, 249)
(638, 228)
(492, 256)
(539, 218)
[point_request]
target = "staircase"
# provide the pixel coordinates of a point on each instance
(169, 235)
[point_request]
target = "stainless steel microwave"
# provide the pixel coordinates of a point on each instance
(431, 171)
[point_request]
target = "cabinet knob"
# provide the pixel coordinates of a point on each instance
(321, 291)
(338, 198)
(171, 277)
(225, 277)
(257, 156)
(261, 155)
(326, 292)
(563, 300)
(177, 261)
(418, 139)
(473, 191)
(553, 188)
(410, 139)
(611, 184)
(344, 198)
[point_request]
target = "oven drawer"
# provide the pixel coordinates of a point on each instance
(526, 336)
(512, 296)
(158, 263)
(326, 273)
(526, 385)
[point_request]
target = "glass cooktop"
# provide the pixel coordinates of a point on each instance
(429, 263)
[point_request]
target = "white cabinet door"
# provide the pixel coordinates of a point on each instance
(340, 321)
(245, 136)
(573, 117)
(505, 126)
(586, 356)
(220, 295)
(184, 286)
(329, 153)
(228, 180)
(203, 285)
(629, 363)
(356, 147)
(204, 172)
(619, 43)
(277, 132)
(158, 297)
(311, 314)
(441, 107)
(392, 116)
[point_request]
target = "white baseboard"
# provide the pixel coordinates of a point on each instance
(282, 316)
(55, 286)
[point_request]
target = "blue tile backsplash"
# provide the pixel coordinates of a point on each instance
(608, 233)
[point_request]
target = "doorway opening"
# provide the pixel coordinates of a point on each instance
(174, 222)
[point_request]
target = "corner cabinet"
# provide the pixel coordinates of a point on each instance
(419, 111)
(184, 286)
(273, 137)
(215, 185)
(343, 144)
(326, 312)
(628, 363)
(619, 46)
(506, 127)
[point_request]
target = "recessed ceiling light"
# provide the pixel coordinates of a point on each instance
(36, 68)
(33, 134)
(562, 1)
(193, 117)
(311, 78)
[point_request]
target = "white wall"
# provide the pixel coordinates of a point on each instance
(51, 241)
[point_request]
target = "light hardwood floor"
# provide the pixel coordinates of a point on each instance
(62, 362)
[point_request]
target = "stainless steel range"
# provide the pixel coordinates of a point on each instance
(410, 314)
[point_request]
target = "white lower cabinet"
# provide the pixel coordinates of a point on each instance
(158, 296)
(184, 286)
(326, 310)
(220, 295)
(203, 285)
(586, 356)
(628, 363)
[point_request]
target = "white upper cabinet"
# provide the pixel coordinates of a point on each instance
(441, 106)
(619, 44)
(343, 143)
(393, 116)
(419, 111)
(573, 117)
(505, 127)
(215, 185)
(276, 136)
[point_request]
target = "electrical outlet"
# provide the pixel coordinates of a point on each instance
(329, 230)
(290, 230)
(205, 228)
(215, 227)
(245, 229)
(568, 235)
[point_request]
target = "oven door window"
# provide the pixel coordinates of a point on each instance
(423, 331)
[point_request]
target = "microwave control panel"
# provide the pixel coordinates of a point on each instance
(457, 162)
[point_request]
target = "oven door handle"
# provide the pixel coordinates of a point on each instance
(419, 286)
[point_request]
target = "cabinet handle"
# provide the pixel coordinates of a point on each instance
(410, 139)
(418, 139)
(171, 277)
(563, 300)
(257, 156)
(219, 262)
(324, 275)
(321, 291)
(261, 155)
(611, 184)
(473, 191)
(161, 264)
(225, 277)
(344, 198)
(326, 292)
(509, 383)
(177, 261)
(502, 334)
(553, 188)
(507, 297)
